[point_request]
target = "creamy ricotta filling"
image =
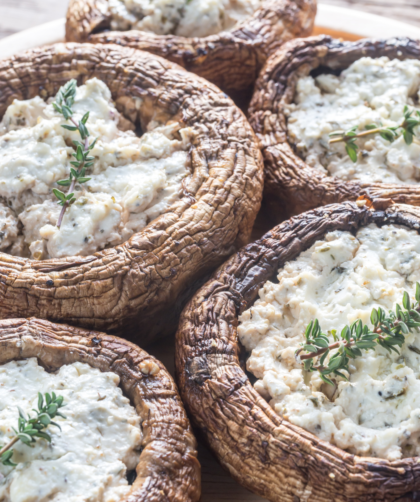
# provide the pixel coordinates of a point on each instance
(338, 280)
(185, 18)
(133, 180)
(369, 91)
(88, 459)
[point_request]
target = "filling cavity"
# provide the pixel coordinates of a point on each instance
(185, 18)
(337, 281)
(370, 91)
(133, 180)
(88, 459)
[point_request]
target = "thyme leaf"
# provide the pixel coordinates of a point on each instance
(31, 428)
(388, 331)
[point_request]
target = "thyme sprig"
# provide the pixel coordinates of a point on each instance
(388, 331)
(29, 429)
(406, 128)
(63, 105)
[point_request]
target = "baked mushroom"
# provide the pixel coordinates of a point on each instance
(226, 43)
(317, 98)
(150, 215)
(285, 437)
(122, 418)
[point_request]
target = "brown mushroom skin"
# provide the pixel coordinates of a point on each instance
(291, 186)
(168, 469)
(263, 452)
(231, 59)
(138, 288)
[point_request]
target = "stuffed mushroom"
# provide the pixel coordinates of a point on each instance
(337, 120)
(87, 416)
(123, 180)
(298, 360)
(225, 42)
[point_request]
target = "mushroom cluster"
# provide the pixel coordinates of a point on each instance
(294, 359)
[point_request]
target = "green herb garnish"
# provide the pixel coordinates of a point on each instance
(388, 331)
(29, 429)
(63, 105)
(406, 129)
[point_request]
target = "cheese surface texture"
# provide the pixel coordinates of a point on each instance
(338, 280)
(191, 18)
(370, 91)
(133, 180)
(88, 459)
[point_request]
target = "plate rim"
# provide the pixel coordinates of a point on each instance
(364, 24)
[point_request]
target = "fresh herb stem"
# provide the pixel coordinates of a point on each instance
(73, 183)
(9, 445)
(406, 129)
(358, 135)
(63, 105)
(31, 428)
(388, 331)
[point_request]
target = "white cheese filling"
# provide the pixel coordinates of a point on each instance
(338, 280)
(370, 91)
(185, 18)
(88, 459)
(133, 180)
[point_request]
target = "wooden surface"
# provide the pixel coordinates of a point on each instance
(17, 15)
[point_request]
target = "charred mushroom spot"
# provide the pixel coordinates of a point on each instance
(131, 477)
(199, 369)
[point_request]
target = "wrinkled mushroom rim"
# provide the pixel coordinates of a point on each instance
(327, 55)
(143, 379)
(207, 342)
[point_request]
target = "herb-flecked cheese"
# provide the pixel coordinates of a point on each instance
(133, 180)
(370, 91)
(87, 461)
(185, 18)
(338, 280)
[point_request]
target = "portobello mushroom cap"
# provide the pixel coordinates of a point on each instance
(168, 468)
(230, 59)
(139, 287)
(264, 452)
(291, 185)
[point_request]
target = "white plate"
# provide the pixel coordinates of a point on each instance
(330, 19)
